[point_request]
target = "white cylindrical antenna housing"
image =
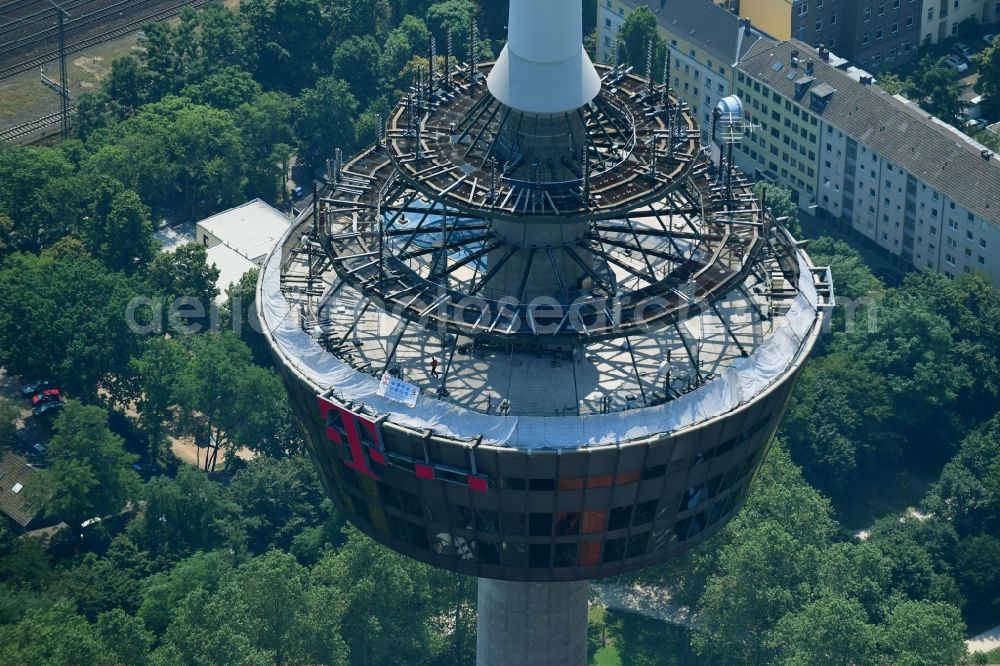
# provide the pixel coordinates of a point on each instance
(544, 68)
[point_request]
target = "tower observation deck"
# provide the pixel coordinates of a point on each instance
(534, 333)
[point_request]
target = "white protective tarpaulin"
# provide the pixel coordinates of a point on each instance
(741, 382)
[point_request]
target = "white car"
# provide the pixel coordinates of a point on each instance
(957, 63)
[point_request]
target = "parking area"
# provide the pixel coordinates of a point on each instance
(33, 432)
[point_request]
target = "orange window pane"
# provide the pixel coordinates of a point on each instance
(599, 481)
(594, 521)
(575, 483)
(627, 477)
(590, 553)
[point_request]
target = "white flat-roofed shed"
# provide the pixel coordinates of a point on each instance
(252, 230)
(232, 267)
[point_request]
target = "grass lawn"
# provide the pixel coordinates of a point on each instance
(607, 656)
(23, 97)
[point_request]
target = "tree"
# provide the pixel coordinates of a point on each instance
(891, 83)
(988, 84)
(854, 279)
(240, 403)
(54, 636)
(266, 127)
(761, 578)
(267, 611)
(978, 569)
(120, 230)
(65, 316)
(325, 120)
(923, 633)
(838, 425)
(278, 499)
(454, 15)
(831, 630)
(9, 416)
(779, 200)
(127, 84)
(164, 591)
(356, 61)
(933, 86)
(239, 315)
(89, 474)
(227, 89)
(394, 605)
(126, 638)
(185, 273)
(290, 41)
(184, 514)
(967, 495)
(157, 371)
(637, 32)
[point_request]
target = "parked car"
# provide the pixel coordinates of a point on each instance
(297, 192)
(40, 449)
(48, 395)
(988, 38)
(31, 388)
(957, 63)
(962, 50)
(976, 124)
(47, 408)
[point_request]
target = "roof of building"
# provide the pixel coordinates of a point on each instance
(705, 24)
(171, 238)
(16, 477)
(232, 267)
(892, 127)
(251, 229)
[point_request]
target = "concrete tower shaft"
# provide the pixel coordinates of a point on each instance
(544, 69)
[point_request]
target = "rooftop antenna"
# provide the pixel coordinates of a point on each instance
(666, 78)
(431, 55)
(448, 53)
(649, 66)
(473, 43)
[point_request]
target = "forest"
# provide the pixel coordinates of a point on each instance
(870, 538)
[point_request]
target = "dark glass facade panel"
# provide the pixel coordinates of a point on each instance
(543, 517)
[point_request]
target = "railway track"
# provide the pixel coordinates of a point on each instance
(17, 23)
(14, 133)
(72, 25)
(78, 45)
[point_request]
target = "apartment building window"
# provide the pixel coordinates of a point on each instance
(950, 259)
(819, 25)
(879, 34)
(881, 10)
(803, 9)
(868, 15)
(895, 27)
(864, 40)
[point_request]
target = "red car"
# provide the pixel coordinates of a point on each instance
(48, 395)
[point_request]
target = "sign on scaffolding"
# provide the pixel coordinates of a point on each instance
(396, 389)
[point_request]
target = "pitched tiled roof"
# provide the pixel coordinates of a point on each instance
(893, 128)
(703, 23)
(16, 480)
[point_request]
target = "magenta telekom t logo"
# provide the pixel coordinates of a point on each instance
(363, 437)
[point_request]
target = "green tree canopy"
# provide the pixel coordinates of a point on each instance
(325, 120)
(89, 474)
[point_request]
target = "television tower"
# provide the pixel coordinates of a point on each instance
(534, 334)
